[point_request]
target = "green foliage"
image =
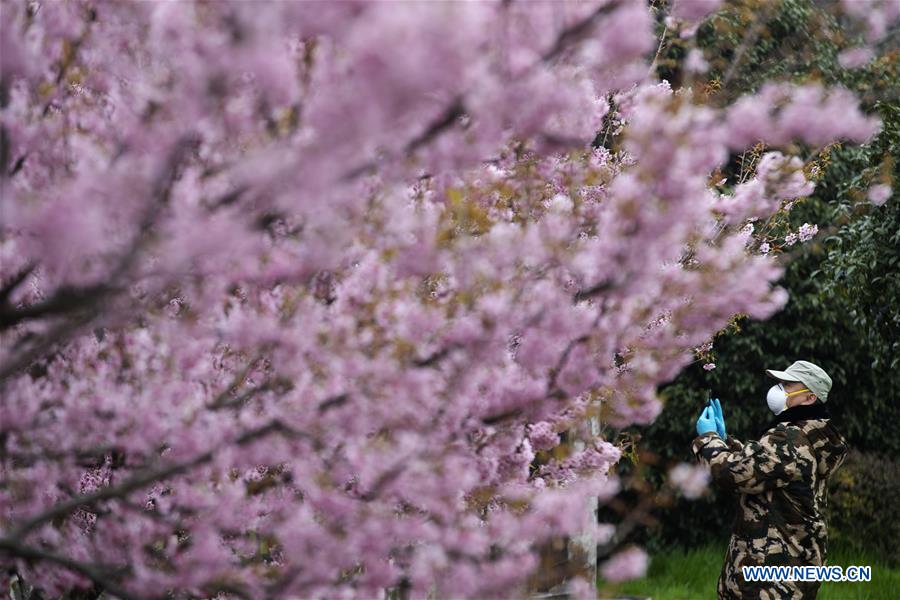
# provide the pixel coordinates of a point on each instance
(863, 508)
(844, 286)
(862, 268)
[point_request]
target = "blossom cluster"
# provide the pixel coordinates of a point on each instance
(293, 294)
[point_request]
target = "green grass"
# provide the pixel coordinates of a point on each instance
(689, 575)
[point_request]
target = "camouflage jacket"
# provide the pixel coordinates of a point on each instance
(782, 483)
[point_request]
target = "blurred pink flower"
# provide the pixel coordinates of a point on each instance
(855, 57)
(692, 10)
(695, 62)
(627, 564)
(879, 194)
(691, 480)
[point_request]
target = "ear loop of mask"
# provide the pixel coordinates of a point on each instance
(798, 392)
(781, 385)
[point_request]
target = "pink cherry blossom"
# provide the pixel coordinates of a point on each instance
(879, 194)
(690, 480)
(807, 232)
(855, 57)
(542, 436)
(693, 10)
(293, 294)
(628, 564)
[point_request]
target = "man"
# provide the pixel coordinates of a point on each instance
(782, 482)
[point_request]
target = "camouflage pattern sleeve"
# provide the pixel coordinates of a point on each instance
(772, 462)
(734, 444)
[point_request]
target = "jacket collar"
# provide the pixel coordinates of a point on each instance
(804, 412)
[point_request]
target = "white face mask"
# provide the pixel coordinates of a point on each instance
(777, 397)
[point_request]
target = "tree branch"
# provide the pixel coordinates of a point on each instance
(69, 299)
(577, 31)
(141, 480)
(594, 290)
(15, 282)
(92, 572)
(66, 299)
(456, 107)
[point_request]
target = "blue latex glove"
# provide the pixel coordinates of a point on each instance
(707, 421)
(720, 420)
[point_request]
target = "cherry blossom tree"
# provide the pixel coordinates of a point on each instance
(296, 298)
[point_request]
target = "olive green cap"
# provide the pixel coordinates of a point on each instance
(810, 375)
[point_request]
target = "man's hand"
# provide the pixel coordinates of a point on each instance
(720, 420)
(707, 421)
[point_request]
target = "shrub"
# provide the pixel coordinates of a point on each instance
(863, 512)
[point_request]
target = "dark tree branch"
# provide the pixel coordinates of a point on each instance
(333, 402)
(69, 300)
(594, 290)
(456, 108)
(95, 573)
(142, 479)
(5, 150)
(65, 300)
(436, 357)
(561, 363)
(383, 480)
(577, 31)
(15, 282)
(223, 400)
(41, 347)
(500, 417)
